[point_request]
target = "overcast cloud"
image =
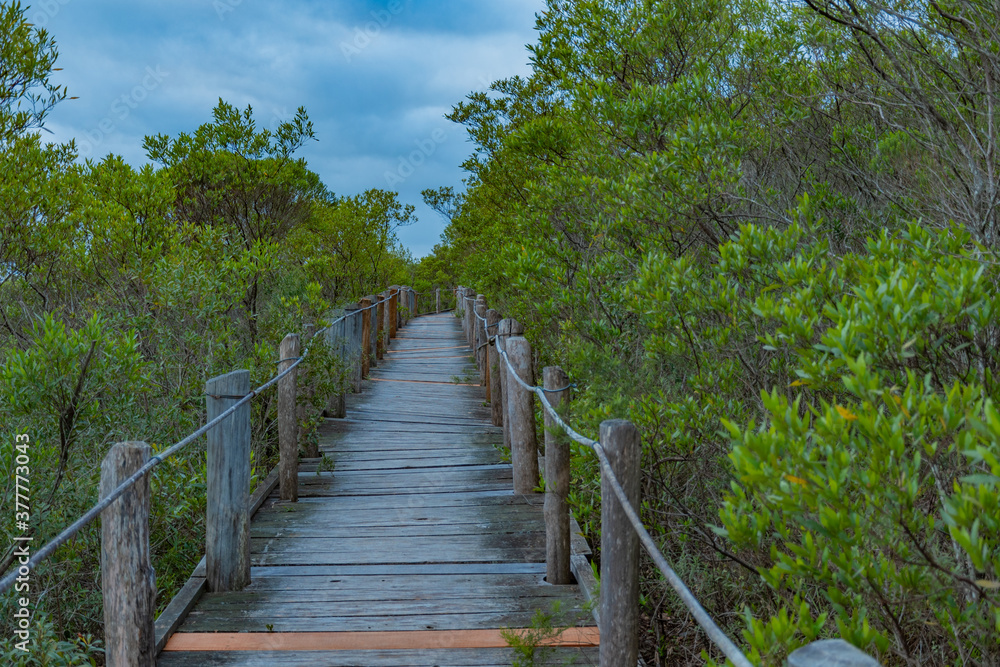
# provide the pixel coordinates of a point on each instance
(375, 77)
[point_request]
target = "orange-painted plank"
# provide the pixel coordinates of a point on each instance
(353, 641)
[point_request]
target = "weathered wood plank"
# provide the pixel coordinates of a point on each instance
(198, 622)
(481, 657)
(341, 641)
(219, 607)
(227, 522)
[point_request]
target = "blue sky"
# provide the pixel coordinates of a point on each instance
(375, 77)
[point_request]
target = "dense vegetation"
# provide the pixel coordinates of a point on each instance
(767, 233)
(122, 290)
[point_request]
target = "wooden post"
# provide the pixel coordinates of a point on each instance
(393, 311)
(227, 520)
(469, 302)
(506, 329)
(437, 300)
(381, 337)
(401, 302)
(472, 318)
(521, 414)
(479, 338)
(620, 546)
(828, 652)
(128, 581)
(288, 424)
(493, 362)
(557, 545)
(413, 303)
(312, 447)
(366, 335)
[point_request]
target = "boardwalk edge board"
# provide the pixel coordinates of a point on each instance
(182, 603)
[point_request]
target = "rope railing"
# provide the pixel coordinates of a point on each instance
(714, 632)
(71, 530)
(478, 321)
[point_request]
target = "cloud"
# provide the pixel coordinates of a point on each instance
(370, 108)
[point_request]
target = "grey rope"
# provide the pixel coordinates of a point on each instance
(714, 632)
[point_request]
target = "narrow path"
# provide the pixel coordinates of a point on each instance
(412, 551)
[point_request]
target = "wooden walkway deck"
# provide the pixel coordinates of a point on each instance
(413, 551)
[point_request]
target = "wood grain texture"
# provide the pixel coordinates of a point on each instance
(620, 546)
(382, 333)
(521, 414)
(493, 364)
(227, 519)
(348, 641)
(556, 480)
(128, 581)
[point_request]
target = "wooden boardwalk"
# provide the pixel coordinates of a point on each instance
(413, 550)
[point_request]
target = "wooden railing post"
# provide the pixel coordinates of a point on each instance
(470, 310)
(401, 307)
(227, 520)
(521, 414)
(437, 300)
(128, 581)
(366, 336)
(506, 329)
(393, 311)
(382, 335)
(493, 362)
(413, 303)
(826, 652)
(557, 544)
(479, 339)
(288, 423)
(620, 546)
